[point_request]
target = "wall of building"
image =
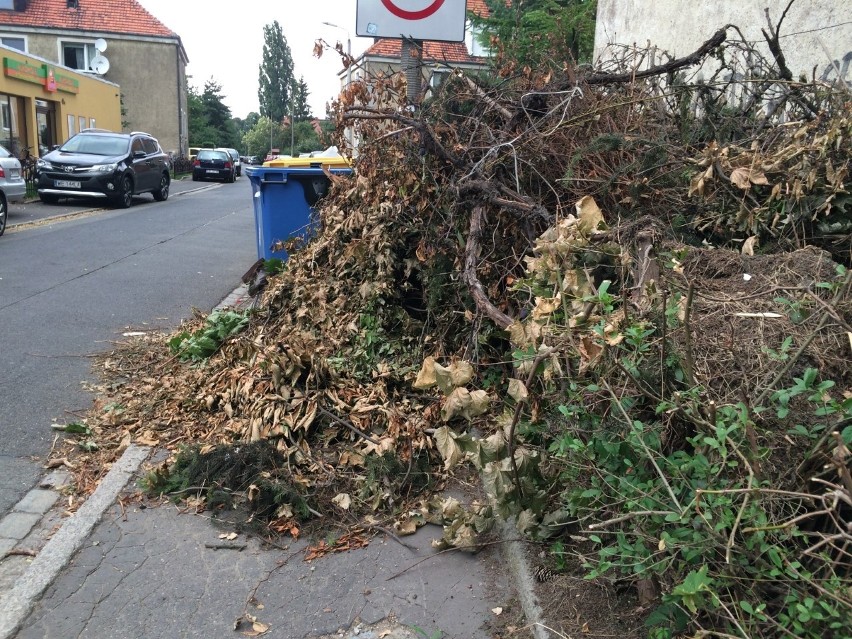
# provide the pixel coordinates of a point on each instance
(89, 100)
(814, 32)
(152, 81)
(152, 77)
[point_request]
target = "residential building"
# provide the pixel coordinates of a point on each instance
(438, 59)
(114, 40)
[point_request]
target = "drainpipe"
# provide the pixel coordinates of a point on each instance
(411, 58)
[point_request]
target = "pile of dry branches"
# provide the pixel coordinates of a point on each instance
(525, 227)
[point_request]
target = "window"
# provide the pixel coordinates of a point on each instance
(92, 123)
(150, 145)
(72, 125)
(14, 42)
(136, 146)
(77, 55)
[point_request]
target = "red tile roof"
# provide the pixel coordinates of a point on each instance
(451, 52)
(478, 7)
(108, 16)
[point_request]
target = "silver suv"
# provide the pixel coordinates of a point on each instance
(235, 156)
(12, 185)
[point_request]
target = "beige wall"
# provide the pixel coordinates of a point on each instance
(680, 27)
(152, 77)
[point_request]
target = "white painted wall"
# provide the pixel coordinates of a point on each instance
(680, 27)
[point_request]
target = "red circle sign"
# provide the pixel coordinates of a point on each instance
(412, 15)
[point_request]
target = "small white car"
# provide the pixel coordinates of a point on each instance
(12, 185)
(235, 156)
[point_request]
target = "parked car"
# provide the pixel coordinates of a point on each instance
(12, 185)
(213, 164)
(235, 158)
(103, 164)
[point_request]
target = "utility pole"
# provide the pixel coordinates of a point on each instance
(292, 120)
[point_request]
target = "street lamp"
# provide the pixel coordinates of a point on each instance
(348, 131)
(348, 51)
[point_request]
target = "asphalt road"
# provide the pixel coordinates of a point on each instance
(70, 286)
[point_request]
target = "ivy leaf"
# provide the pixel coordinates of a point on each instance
(450, 451)
(426, 377)
(517, 390)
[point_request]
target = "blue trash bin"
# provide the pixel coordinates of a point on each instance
(284, 198)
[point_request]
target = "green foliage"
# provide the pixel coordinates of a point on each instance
(204, 342)
(379, 344)
(210, 121)
(273, 266)
(301, 108)
(275, 80)
(537, 33)
(672, 488)
(304, 137)
(256, 472)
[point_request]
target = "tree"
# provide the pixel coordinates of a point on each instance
(537, 33)
(276, 74)
(305, 136)
(301, 108)
(265, 134)
(219, 114)
(210, 121)
(200, 131)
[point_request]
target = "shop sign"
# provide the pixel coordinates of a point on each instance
(41, 74)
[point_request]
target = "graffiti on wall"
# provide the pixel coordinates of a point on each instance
(838, 70)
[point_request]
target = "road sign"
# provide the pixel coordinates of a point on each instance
(415, 19)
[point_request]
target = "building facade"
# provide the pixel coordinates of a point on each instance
(114, 40)
(40, 102)
(816, 35)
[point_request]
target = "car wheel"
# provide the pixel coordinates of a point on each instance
(48, 199)
(4, 213)
(162, 193)
(125, 193)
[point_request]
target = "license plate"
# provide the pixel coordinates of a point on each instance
(15, 173)
(212, 170)
(67, 184)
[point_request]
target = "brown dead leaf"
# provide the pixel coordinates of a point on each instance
(749, 245)
(744, 177)
(147, 438)
(590, 215)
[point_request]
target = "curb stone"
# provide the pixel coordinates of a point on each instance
(16, 604)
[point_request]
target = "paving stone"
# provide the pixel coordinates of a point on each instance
(55, 479)
(18, 525)
(37, 501)
(6, 545)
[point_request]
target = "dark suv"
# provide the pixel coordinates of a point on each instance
(102, 164)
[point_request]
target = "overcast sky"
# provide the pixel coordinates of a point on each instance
(224, 39)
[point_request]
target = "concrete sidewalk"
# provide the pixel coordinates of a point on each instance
(148, 569)
(34, 212)
(123, 566)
